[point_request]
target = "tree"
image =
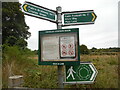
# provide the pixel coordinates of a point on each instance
(93, 49)
(84, 49)
(14, 28)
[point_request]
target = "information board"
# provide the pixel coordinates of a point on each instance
(59, 47)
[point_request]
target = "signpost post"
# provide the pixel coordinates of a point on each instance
(60, 67)
(85, 73)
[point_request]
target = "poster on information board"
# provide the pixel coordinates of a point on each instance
(67, 46)
(59, 47)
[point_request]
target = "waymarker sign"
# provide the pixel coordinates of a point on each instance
(79, 17)
(39, 11)
(84, 73)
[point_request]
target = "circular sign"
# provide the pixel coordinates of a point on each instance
(71, 52)
(64, 46)
(70, 46)
(64, 53)
(84, 72)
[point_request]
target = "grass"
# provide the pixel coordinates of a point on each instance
(38, 76)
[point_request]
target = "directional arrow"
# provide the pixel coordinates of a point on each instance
(25, 7)
(94, 17)
(85, 73)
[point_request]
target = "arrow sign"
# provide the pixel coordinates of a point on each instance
(84, 73)
(79, 17)
(39, 11)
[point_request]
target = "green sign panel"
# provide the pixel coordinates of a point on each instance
(83, 73)
(59, 47)
(79, 17)
(39, 11)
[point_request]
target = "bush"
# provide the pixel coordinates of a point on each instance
(15, 60)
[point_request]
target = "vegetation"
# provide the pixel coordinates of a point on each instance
(84, 49)
(25, 62)
(101, 51)
(14, 62)
(14, 28)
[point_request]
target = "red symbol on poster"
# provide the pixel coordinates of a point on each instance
(64, 53)
(70, 45)
(64, 47)
(71, 52)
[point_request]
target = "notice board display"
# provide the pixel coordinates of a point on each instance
(59, 47)
(67, 46)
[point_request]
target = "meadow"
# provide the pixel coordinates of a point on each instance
(39, 76)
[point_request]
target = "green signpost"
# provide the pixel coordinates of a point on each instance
(84, 73)
(79, 17)
(61, 46)
(39, 11)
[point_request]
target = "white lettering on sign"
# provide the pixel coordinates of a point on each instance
(57, 31)
(58, 63)
(67, 46)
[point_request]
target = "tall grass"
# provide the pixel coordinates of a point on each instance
(39, 76)
(14, 62)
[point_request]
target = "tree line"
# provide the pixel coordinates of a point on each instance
(93, 50)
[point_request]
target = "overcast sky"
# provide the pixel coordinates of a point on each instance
(102, 34)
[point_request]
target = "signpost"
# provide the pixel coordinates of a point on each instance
(39, 11)
(79, 17)
(61, 46)
(85, 73)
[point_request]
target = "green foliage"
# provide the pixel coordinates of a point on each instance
(84, 49)
(10, 53)
(22, 62)
(93, 49)
(14, 61)
(39, 76)
(35, 52)
(104, 51)
(14, 28)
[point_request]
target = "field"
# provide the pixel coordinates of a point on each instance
(36, 76)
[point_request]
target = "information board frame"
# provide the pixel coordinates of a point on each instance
(59, 61)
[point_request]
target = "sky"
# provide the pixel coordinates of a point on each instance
(102, 34)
